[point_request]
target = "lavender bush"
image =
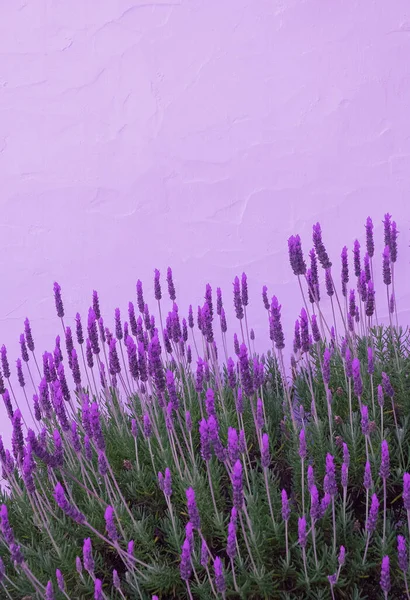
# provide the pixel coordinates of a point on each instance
(147, 461)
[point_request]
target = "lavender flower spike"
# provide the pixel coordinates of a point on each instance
(237, 299)
(89, 564)
(285, 506)
(192, 508)
(276, 325)
(406, 491)
(237, 485)
(385, 575)
(185, 564)
(65, 506)
(369, 237)
(219, 576)
(297, 261)
(58, 300)
(49, 595)
(385, 462)
(109, 523)
(373, 514)
(302, 532)
(386, 266)
(320, 248)
(330, 478)
(402, 553)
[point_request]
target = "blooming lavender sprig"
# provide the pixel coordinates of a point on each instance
(345, 271)
(89, 564)
(171, 287)
(237, 299)
(330, 486)
(393, 242)
(365, 420)
(302, 537)
(185, 564)
(237, 485)
(320, 248)
(58, 300)
(192, 508)
(386, 266)
(28, 335)
(98, 593)
(297, 261)
(387, 386)
(315, 329)
(304, 330)
(97, 433)
(65, 506)
(276, 325)
(373, 514)
(385, 461)
(367, 480)
(219, 576)
(385, 575)
(265, 455)
(109, 524)
(231, 540)
(402, 553)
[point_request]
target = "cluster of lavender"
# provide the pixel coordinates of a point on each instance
(145, 469)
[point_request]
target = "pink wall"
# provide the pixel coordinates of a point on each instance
(198, 134)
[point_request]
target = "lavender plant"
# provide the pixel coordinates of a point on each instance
(151, 463)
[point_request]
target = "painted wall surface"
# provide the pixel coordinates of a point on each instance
(197, 134)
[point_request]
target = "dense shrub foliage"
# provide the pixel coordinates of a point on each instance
(151, 464)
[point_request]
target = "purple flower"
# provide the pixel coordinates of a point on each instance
(365, 420)
(102, 464)
(231, 540)
(75, 366)
(185, 566)
(92, 331)
(132, 357)
(245, 371)
(259, 414)
(8, 404)
(310, 477)
(369, 237)
(155, 361)
(58, 300)
(345, 271)
(352, 303)
(171, 287)
(276, 325)
(330, 486)
(89, 564)
(192, 508)
(233, 449)
(329, 283)
(96, 305)
(98, 593)
(23, 347)
(130, 548)
(265, 456)
(402, 553)
(219, 576)
(29, 335)
(387, 229)
(140, 297)
(380, 396)
(242, 442)
(348, 363)
(190, 317)
(386, 266)
(49, 591)
(132, 319)
(147, 426)
(237, 299)
(356, 258)
(157, 285)
(304, 330)
(5, 526)
(385, 575)
(297, 344)
(297, 261)
(118, 326)
(314, 503)
(285, 506)
(109, 524)
(60, 580)
(265, 297)
(210, 402)
(96, 427)
(213, 429)
(113, 360)
(237, 485)
(78, 565)
(236, 344)
(393, 242)
(344, 475)
(313, 278)
(168, 483)
(302, 532)
(372, 518)
(367, 480)
(204, 554)
(20, 375)
(315, 329)
(204, 439)
(224, 327)
(37, 410)
(320, 248)
(326, 366)
(324, 504)
(17, 438)
(302, 444)
(362, 286)
(116, 580)
(387, 386)
(406, 491)
(74, 437)
(65, 506)
(385, 461)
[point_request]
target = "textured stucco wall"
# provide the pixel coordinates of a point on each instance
(199, 134)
